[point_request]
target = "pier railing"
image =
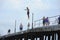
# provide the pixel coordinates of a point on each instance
(43, 33)
(51, 32)
(53, 21)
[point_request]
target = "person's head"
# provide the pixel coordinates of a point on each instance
(9, 31)
(59, 15)
(44, 17)
(47, 17)
(27, 7)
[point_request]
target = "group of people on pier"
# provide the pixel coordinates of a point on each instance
(59, 20)
(45, 22)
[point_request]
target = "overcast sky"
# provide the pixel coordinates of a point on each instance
(11, 10)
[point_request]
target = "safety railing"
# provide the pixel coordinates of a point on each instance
(53, 21)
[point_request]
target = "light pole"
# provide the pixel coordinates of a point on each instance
(15, 27)
(32, 20)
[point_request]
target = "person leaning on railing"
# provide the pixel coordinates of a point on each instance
(47, 21)
(43, 21)
(59, 20)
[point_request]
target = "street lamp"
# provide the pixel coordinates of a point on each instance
(32, 20)
(15, 27)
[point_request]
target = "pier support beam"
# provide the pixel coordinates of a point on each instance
(25, 38)
(58, 36)
(52, 36)
(32, 37)
(55, 36)
(48, 37)
(42, 38)
(20, 38)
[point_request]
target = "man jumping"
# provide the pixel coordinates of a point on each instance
(27, 12)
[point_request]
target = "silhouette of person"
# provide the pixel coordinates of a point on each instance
(28, 25)
(21, 26)
(47, 21)
(27, 12)
(43, 21)
(9, 31)
(59, 20)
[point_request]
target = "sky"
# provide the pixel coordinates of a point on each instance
(11, 10)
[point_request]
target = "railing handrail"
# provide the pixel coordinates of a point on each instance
(48, 17)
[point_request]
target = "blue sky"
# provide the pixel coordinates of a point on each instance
(11, 10)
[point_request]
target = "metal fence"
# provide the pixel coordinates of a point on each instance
(53, 21)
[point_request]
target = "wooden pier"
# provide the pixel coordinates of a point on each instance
(41, 33)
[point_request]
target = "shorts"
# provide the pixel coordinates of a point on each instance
(43, 22)
(46, 22)
(20, 28)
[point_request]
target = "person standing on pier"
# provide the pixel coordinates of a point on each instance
(9, 31)
(27, 12)
(28, 25)
(59, 20)
(47, 21)
(21, 27)
(43, 21)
